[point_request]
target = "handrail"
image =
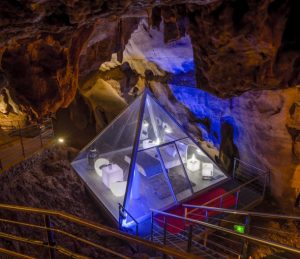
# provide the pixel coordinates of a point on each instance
(228, 231)
(243, 212)
(98, 227)
(234, 189)
(253, 166)
(14, 254)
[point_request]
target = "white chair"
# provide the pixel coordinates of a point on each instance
(118, 188)
(99, 163)
(207, 171)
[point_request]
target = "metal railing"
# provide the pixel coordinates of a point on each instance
(51, 230)
(18, 142)
(123, 213)
(253, 183)
(223, 242)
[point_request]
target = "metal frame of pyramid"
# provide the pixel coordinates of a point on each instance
(97, 188)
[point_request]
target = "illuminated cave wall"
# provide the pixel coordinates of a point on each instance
(252, 126)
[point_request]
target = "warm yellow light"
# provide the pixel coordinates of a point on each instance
(61, 140)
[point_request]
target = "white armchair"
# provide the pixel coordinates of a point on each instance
(207, 171)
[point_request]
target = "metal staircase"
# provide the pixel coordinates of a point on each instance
(43, 233)
(210, 230)
(215, 237)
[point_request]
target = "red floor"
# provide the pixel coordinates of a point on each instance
(177, 225)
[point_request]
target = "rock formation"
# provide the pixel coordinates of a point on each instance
(245, 52)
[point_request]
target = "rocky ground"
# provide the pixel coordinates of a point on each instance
(48, 181)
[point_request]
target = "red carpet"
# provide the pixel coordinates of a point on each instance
(177, 225)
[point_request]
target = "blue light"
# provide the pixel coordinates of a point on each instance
(210, 110)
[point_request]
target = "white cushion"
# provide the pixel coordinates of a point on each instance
(118, 188)
(98, 164)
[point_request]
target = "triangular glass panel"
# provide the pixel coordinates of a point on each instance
(145, 159)
(102, 163)
(157, 126)
(169, 166)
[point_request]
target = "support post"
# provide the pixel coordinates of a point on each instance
(221, 201)
(206, 215)
(151, 235)
(205, 237)
(165, 235)
(21, 140)
(190, 238)
(234, 168)
(40, 133)
(237, 199)
(50, 237)
(245, 242)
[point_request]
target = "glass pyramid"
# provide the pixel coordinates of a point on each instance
(144, 160)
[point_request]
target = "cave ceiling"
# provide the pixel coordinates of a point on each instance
(47, 46)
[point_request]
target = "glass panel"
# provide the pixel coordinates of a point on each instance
(178, 179)
(104, 163)
(201, 170)
(149, 188)
(157, 126)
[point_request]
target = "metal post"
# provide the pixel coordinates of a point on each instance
(21, 140)
(50, 237)
(165, 235)
(245, 242)
(190, 237)
(221, 201)
(151, 236)
(40, 133)
(165, 230)
(206, 215)
(237, 199)
(234, 165)
(264, 188)
(205, 237)
(53, 135)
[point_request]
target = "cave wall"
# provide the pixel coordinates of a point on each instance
(245, 52)
(245, 45)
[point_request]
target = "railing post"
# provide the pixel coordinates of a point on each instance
(234, 165)
(53, 135)
(245, 242)
(265, 183)
(165, 231)
(190, 237)
(237, 199)
(205, 237)
(50, 237)
(21, 140)
(206, 215)
(221, 201)
(40, 133)
(165, 235)
(151, 235)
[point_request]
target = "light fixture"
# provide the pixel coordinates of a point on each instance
(168, 130)
(157, 142)
(60, 140)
